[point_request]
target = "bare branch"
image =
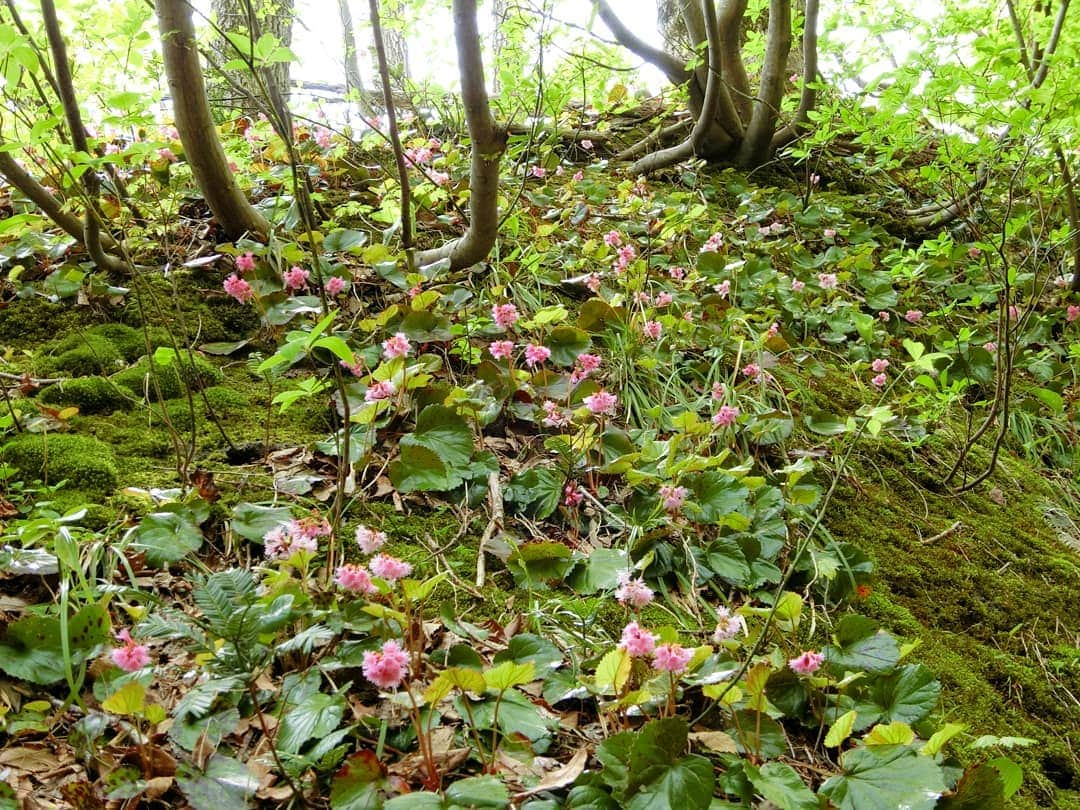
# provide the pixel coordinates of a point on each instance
(488, 145)
(710, 105)
(70, 102)
(1051, 46)
(672, 67)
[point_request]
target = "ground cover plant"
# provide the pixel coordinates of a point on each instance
(436, 460)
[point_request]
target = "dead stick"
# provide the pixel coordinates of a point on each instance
(942, 535)
(494, 525)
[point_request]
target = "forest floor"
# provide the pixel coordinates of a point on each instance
(984, 583)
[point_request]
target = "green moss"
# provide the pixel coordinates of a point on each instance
(226, 400)
(34, 321)
(130, 342)
(81, 355)
(165, 382)
(90, 394)
(87, 463)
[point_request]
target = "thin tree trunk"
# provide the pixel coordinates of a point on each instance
(191, 114)
(70, 102)
(754, 149)
(232, 16)
(354, 81)
(488, 145)
(397, 47)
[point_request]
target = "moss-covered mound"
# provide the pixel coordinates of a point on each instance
(155, 381)
(88, 464)
(81, 355)
(89, 394)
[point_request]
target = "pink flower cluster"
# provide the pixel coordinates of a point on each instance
(387, 667)
(554, 416)
(672, 658)
(354, 578)
(1072, 312)
(501, 349)
(728, 625)
(536, 355)
(584, 365)
(389, 568)
(726, 416)
(380, 390)
(335, 286)
(807, 664)
(626, 254)
(602, 403)
(636, 641)
(572, 495)
(652, 329)
(713, 243)
(132, 656)
(673, 497)
(245, 263)
(827, 281)
(369, 540)
(296, 278)
(633, 592)
(239, 289)
(396, 346)
(505, 315)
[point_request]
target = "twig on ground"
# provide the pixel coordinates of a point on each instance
(494, 525)
(942, 535)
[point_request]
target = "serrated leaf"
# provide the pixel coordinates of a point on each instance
(885, 778)
(781, 785)
(841, 729)
(895, 733)
(940, 737)
(127, 701)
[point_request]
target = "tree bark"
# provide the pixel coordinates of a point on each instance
(488, 145)
(397, 47)
(755, 147)
(70, 103)
(191, 114)
(354, 81)
(232, 16)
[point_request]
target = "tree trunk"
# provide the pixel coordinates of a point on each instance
(488, 145)
(397, 47)
(500, 9)
(231, 16)
(191, 114)
(354, 81)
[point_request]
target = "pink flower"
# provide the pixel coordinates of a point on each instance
(974, 252)
(807, 664)
(535, 355)
(719, 391)
(726, 416)
(238, 289)
(389, 568)
(354, 578)
(296, 278)
(879, 365)
(633, 592)
(773, 330)
(166, 153)
(322, 137)
(671, 658)
(601, 403)
(752, 370)
(723, 288)
(554, 415)
(797, 285)
(559, 171)
(283, 542)
(883, 315)
(637, 641)
(627, 253)
(593, 283)
(586, 144)
(587, 363)
(829, 233)
(369, 540)
(990, 346)
(677, 273)
(336, 285)
(309, 528)
(827, 281)
(613, 239)
(245, 263)
(505, 315)
(728, 625)
(880, 380)
(378, 391)
(131, 657)
(652, 329)
(1072, 312)
(501, 349)
(388, 667)
(913, 315)
(396, 346)
(539, 171)
(673, 497)
(572, 495)
(578, 176)
(663, 299)
(439, 178)
(356, 369)
(713, 243)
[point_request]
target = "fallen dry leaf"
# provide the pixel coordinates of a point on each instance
(561, 776)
